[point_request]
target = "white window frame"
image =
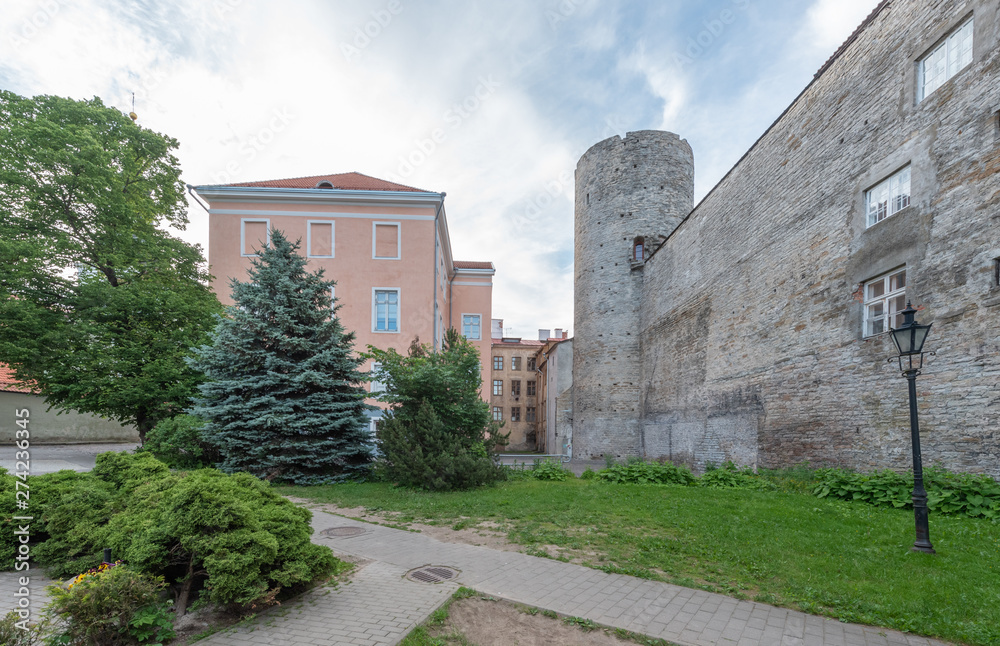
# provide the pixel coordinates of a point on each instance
(399, 310)
(889, 309)
(243, 235)
(954, 59)
(375, 387)
(498, 387)
(498, 413)
(399, 240)
(498, 359)
(479, 324)
(333, 238)
(898, 188)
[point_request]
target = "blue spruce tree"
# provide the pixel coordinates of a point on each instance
(284, 400)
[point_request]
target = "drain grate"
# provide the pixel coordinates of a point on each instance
(432, 574)
(341, 532)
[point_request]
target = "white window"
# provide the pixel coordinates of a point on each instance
(320, 239)
(385, 309)
(889, 197)
(375, 386)
(498, 387)
(946, 60)
(386, 240)
(885, 298)
(254, 235)
(471, 327)
(497, 414)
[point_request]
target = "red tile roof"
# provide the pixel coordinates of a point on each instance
(472, 264)
(342, 181)
(9, 384)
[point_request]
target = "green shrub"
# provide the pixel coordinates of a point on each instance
(730, 476)
(11, 635)
(550, 470)
(588, 474)
(178, 442)
(973, 495)
(97, 609)
(231, 534)
(641, 472)
(422, 453)
(8, 546)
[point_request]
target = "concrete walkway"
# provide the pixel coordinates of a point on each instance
(380, 606)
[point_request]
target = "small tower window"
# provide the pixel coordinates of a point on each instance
(324, 184)
(638, 247)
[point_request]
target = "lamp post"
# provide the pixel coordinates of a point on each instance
(909, 339)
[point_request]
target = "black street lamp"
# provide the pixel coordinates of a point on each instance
(909, 339)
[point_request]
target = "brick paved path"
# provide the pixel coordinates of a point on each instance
(379, 606)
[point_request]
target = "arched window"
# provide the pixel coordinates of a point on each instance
(638, 249)
(324, 184)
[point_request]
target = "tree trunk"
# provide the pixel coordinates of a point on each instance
(185, 595)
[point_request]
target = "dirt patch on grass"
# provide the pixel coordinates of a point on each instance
(486, 622)
(485, 534)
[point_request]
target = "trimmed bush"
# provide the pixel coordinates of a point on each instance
(230, 534)
(8, 546)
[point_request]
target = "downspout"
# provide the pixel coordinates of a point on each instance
(437, 239)
(196, 198)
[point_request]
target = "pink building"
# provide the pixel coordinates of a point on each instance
(385, 244)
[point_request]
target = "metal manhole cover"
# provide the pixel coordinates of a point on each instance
(341, 532)
(432, 574)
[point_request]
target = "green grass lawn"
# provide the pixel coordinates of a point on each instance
(845, 560)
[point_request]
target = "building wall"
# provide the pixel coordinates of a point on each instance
(51, 427)
(751, 323)
(474, 299)
(558, 405)
(523, 434)
(429, 302)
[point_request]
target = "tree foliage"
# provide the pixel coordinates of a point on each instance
(438, 434)
(98, 304)
(283, 400)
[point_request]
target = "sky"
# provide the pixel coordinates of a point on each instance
(490, 102)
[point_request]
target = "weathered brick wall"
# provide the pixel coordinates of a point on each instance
(751, 325)
(640, 186)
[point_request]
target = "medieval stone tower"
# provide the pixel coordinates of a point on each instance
(630, 194)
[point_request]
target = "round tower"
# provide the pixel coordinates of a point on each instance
(630, 194)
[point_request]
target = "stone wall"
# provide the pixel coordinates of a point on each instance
(751, 337)
(52, 427)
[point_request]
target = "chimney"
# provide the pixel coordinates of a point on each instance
(565, 334)
(497, 328)
(559, 334)
(543, 335)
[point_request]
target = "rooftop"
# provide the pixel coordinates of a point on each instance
(342, 181)
(9, 384)
(473, 264)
